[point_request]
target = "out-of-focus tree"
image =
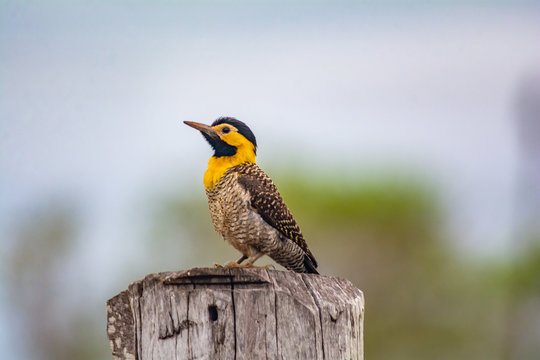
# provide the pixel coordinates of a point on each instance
(521, 278)
(423, 300)
(528, 136)
(523, 275)
(52, 326)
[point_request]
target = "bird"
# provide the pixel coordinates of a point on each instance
(246, 207)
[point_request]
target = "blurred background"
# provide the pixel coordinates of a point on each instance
(404, 136)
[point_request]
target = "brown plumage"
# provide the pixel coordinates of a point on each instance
(267, 202)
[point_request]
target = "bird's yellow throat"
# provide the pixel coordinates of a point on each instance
(217, 166)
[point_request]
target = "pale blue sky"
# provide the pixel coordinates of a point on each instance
(92, 96)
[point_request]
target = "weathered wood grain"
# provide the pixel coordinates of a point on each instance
(208, 313)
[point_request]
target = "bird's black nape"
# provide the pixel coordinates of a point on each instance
(243, 129)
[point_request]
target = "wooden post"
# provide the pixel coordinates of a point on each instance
(250, 313)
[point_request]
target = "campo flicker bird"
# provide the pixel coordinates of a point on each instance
(246, 207)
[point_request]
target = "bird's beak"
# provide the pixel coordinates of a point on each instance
(205, 129)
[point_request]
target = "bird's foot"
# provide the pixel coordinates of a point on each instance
(234, 264)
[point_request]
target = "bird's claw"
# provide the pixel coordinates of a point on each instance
(234, 264)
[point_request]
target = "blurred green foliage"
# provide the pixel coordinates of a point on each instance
(422, 300)
(425, 298)
(56, 323)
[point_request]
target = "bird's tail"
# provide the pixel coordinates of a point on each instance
(310, 267)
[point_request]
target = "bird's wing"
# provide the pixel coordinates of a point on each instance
(267, 201)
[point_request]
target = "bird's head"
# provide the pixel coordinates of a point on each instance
(228, 137)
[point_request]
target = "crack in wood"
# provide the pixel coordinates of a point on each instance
(276, 316)
(138, 319)
(315, 299)
(234, 317)
(219, 284)
(176, 347)
(210, 280)
(184, 325)
(188, 328)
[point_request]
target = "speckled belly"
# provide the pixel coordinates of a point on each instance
(242, 227)
(236, 221)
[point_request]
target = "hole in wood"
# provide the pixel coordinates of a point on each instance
(212, 312)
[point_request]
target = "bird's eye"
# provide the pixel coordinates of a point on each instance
(226, 130)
